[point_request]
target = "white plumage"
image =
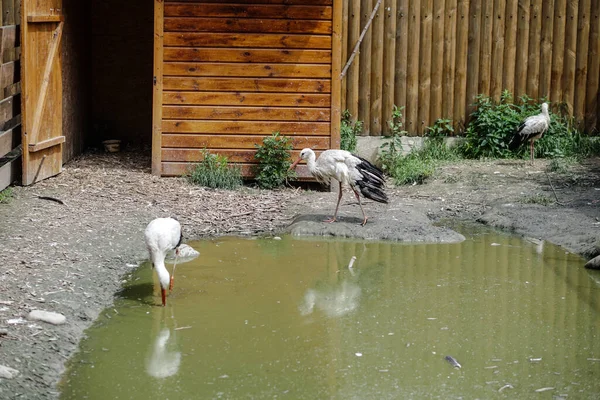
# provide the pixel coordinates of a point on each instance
(531, 129)
(162, 235)
(346, 168)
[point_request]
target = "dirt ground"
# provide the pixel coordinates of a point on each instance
(71, 258)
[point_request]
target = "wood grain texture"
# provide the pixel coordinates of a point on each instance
(260, 40)
(157, 93)
(244, 84)
(245, 127)
(253, 11)
(248, 99)
(247, 113)
(200, 141)
(246, 25)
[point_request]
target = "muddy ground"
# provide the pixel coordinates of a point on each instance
(71, 258)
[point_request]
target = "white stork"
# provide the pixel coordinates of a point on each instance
(345, 167)
(162, 235)
(532, 129)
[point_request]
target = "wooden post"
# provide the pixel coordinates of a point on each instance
(412, 82)
(352, 75)
(592, 105)
(400, 80)
(510, 46)
(389, 63)
(533, 59)
(460, 81)
(157, 93)
(377, 73)
(558, 45)
(364, 78)
(449, 59)
(344, 54)
(570, 50)
(437, 60)
(497, 49)
(473, 53)
(522, 48)
(581, 65)
(546, 49)
(336, 69)
(485, 58)
(425, 65)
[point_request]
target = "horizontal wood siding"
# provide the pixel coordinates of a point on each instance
(234, 72)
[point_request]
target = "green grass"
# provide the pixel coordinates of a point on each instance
(215, 172)
(537, 199)
(6, 195)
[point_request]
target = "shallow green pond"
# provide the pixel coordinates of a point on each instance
(265, 318)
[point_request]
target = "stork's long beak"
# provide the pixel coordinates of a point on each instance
(163, 292)
(293, 166)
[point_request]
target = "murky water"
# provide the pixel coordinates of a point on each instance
(264, 318)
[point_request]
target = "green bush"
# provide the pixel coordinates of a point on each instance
(349, 131)
(390, 152)
(214, 171)
(6, 195)
(274, 161)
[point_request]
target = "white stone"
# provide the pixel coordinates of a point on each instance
(47, 316)
(8, 372)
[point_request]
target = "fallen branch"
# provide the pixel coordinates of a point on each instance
(360, 39)
(59, 201)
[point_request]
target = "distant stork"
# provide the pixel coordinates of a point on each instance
(532, 129)
(345, 167)
(162, 235)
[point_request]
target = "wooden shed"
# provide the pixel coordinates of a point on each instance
(229, 73)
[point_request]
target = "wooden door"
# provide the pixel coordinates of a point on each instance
(41, 100)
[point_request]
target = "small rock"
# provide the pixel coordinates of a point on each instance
(8, 372)
(594, 263)
(187, 251)
(47, 316)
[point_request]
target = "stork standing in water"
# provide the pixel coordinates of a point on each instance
(532, 129)
(163, 235)
(345, 167)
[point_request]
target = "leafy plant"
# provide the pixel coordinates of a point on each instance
(214, 171)
(537, 199)
(349, 131)
(6, 195)
(390, 152)
(274, 161)
(441, 128)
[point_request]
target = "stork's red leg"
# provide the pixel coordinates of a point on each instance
(531, 151)
(361, 207)
(336, 206)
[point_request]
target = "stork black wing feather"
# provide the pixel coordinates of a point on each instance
(372, 183)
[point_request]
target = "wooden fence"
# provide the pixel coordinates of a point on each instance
(10, 93)
(433, 57)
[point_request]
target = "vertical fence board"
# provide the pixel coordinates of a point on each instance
(546, 49)
(412, 81)
(593, 83)
(497, 48)
(522, 48)
(449, 66)
(473, 53)
(558, 45)
(389, 63)
(400, 80)
(533, 58)
(352, 75)
(570, 50)
(485, 54)
(462, 44)
(364, 73)
(437, 60)
(425, 65)
(345, 52)
(581, 59)
(377, 71)
(510, 45)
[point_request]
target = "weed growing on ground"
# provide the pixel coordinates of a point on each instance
(349, 131)
(215, 172)
(6, 195)
(274, 161)
(537, 199)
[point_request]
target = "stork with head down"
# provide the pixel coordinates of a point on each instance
(346, 168)
(163, 235)
(532, 129)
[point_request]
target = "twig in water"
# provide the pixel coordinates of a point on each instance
(183, 327)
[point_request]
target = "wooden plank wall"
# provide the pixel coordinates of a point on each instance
(10, 93)
(439, 54)
(234, 72)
